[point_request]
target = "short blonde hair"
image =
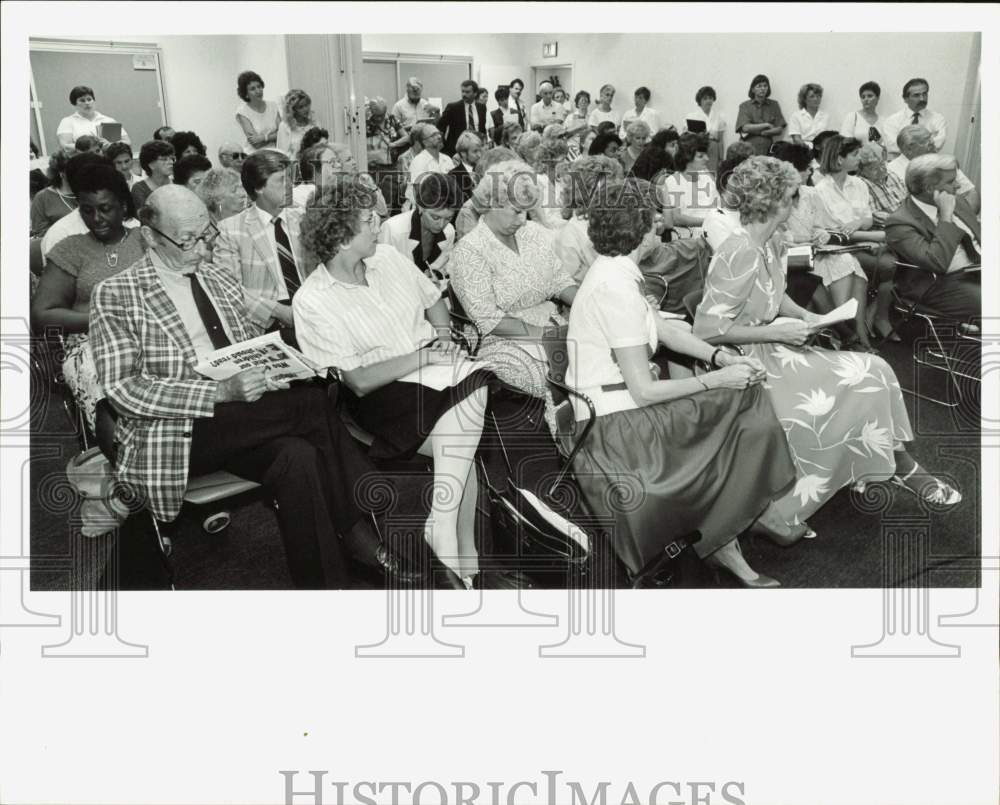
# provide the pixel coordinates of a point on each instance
(466, 140)
(637, 127)
(758, 185)
(583, 178)
(507, 184)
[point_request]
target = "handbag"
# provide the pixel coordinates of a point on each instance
(92, 476)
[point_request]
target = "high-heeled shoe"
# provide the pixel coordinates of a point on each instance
(888, 335)
(762, 582)
(786, 538)
(935, 491)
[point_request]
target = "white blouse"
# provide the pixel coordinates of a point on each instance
(346, 325)
(856, 126)
(843, 205)
(715, 123)
(609, 312)
(598, 116)
(807, 126)
(261, 121)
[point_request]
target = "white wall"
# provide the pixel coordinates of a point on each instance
(674, 66)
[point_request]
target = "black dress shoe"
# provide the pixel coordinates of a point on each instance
(396, 569)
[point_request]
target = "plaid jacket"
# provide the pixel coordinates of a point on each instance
(243, 249)
(145, 362)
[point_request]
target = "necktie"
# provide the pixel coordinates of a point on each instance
(970, 249)
(471, 126)
(916, 118)
(286, 259)
(209, 315)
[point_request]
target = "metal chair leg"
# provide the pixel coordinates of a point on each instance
(166, 547)
(947, 368)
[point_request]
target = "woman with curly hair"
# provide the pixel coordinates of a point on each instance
(842, 412)
(506, 275)
(221, 190)
(296, 120)
(583, 186)
(187, 144)
(56, 200)
(698, 453)
(258, 119)
(637, 133)
(369, 312)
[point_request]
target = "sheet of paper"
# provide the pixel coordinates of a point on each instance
(269, 350)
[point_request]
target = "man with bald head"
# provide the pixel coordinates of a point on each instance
(915, 141)
(231, 155)
(149, 326)
(413, 107)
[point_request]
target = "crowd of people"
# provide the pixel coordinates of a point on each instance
(659, 252)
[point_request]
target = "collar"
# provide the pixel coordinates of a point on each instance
(162, 268)
(327, 280)
(927, 209)
(266, 218)
(627, 265)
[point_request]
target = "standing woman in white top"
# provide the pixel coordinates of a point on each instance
(810, 120)
(257, 118)
(296, 121)
(84, 120)
(603, 110)
(865, 125)
(715, 124)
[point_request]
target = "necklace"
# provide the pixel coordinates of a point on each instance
(112, 256)
(63, 197)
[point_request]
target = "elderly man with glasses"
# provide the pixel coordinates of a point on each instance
(231, 155)
(150, 325)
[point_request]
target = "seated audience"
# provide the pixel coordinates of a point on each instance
(165, 133)
(257, 118)
(231, 155)
(56, 200)
(936, 230)
(841, 274)
(187, 144)
(603, 112)
(426, 236)
(637, 134)
(641, 111)
(506, 274)
(222, 193)
(760, 120)
(85, 120)
(727, 456)
(689, 193)
(88, 142)
(468, 150)
(915, 113)
(546, 111)
(865, 125)
(527, 145)
(886, 190)
(468, 217)
(260, 248)
(809, 120)
(295, 121)
(915, 141)
(120, 155)
(190, 170)
(844, 207)
(607, 145)
(714, 123)
(76, 264)
(837, 435)
(658, 155)
(156, 158)
(369, 312)
(427, 142)
(332, 159)
(149, 325)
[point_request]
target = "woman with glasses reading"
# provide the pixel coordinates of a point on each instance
(76, 264)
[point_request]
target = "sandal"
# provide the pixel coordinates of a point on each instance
(936, 492)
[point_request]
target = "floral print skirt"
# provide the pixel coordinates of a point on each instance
(80, 375)
(843, 415)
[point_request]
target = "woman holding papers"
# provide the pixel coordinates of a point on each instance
(842, 412)
(707, 120)
(370, 313)
(667, 456)
(87, 120)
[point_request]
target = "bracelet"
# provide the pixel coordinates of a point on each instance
(712, 359)
(704, 385)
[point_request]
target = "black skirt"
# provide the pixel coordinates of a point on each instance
(402, 415)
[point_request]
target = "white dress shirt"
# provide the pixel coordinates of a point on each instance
(266, 221)
(542, 115)
(807, 126)
(648, 116)
(598, 116)
(77, 125)
(930, 120)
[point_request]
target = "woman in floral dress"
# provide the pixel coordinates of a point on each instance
(506, 274)
(842, 412)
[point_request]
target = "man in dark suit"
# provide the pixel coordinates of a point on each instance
(464, 115)
(938, 232)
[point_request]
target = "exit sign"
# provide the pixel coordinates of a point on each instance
(550, 49)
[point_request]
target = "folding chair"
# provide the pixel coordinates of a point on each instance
(910, 306)
(203, 490)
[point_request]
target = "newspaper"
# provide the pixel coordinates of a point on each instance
(846, 312)
(269, 350)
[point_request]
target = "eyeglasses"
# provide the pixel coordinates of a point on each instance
(234, 155)
(207, 237)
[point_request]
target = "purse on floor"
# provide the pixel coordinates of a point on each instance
(92, 476)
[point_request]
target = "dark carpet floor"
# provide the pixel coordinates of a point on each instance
(858, 544)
